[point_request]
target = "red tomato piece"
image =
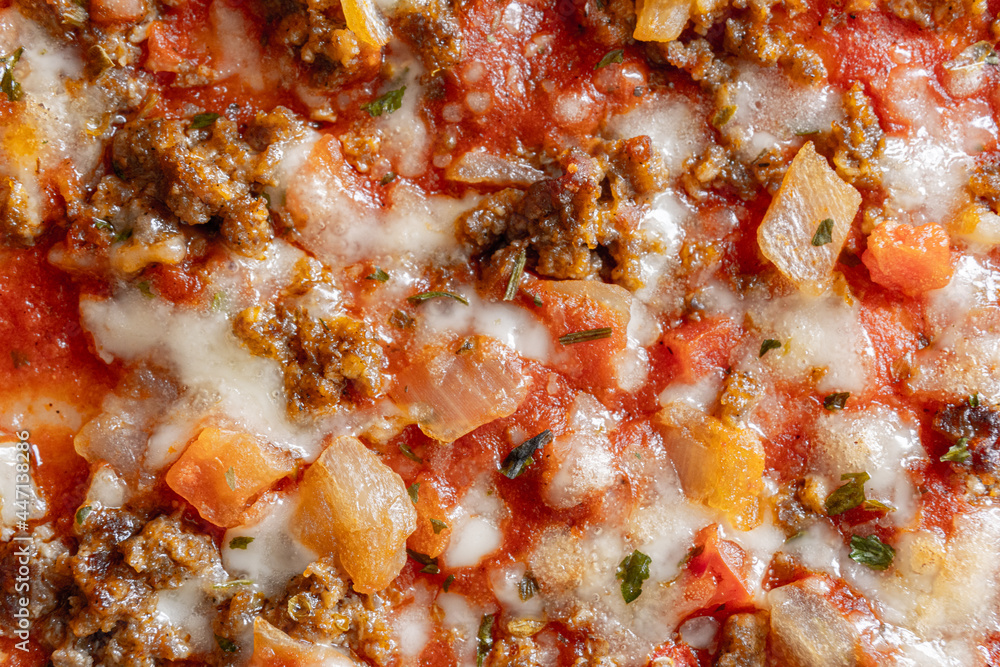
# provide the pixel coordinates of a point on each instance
(717, 571)
(912, 260)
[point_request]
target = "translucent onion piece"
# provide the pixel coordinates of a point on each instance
(365, 21)
(222, 471)
(810, 193)
(479, 166)
(719, 465)
(272, 647)
(356, 507)
(664, 20)
(450, 391)
(808, 630)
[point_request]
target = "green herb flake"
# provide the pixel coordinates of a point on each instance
(426, 296)
(413, 490)
(723, 115)
(527, 587)
(19, 359)
(203, 120)
(408, 453)
(849, 495)
(8, 85)
(836, 401)
(448, 582)
(430, 565)
(768, 345)
(233, 584)
(400, 320)
(82, 514)
(824, 233)
(871, 551)
(227, 645)
(231, 478)
(974, 400)
(438, 525)
(484, 638)
(633, 570)
(218, 301)
(958, 453)
(615, 56)
(146, 289)
(515, 462)
(388, 178)
(122, 236)
(515, 275)
(103, 225)
(241, 542)
(387, 103)
(586, 336)
(378, 274)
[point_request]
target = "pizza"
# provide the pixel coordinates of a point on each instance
(499, 333)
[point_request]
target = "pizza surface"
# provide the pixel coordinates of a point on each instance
(499, 332)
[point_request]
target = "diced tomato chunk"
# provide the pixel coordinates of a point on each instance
(717, 571)
(699, 347)
(912, 260)
(164, 55)
(221, 472)
(674, 655)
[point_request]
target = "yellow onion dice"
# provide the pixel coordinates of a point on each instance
(664, 20)
(273, 648)
(356, 507)
(364, 20)
(810, 194)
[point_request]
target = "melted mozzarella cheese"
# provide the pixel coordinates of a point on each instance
(475, 523)
(586, 463)
(19, 496)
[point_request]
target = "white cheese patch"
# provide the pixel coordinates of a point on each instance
(406, 140)
(506, 583)
(475, 524)
(187, 613)
(412, 624)
(925, 178)
(586, 465)
(463, 621)
(274, 556)
(675, 124)
(19, 497)
(235, 52)
(106, 488)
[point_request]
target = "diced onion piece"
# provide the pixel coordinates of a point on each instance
(112, 11)
(719, 465)
(810, 193)
(978, 224)
(222, 471)
(356, 507)
(664, 20)
(365, 21)
(912, 260)
(808, 631)
(453, 389)
(480, 166)
(273, 648)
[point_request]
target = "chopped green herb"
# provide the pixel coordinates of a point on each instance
(515, 462)
(203, 120)
(871, 551)
(836, 401)
(218, 301)
(227, 645)
(19, 358)
(515, 275)
(959, 452)
(8, 85)
(535, 299)
(723, 115)
(437, 525)
(527, 587)
(974, 400)
(484, 638)
(388, 178)
(768, 345)
(824, 233)
(146, 289)
(241, 542)
(83, 513)
(408, 453)
(231, 478)
(430, 565)
(585, 336)
(103, 225)
(413, 490)
(122, 236)
(849, 495)
(806, 133)
(386, 103)
(378, 274)
(448, 582)
(615, 56)
(425, 296)
(633, 570)
(234, 583)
